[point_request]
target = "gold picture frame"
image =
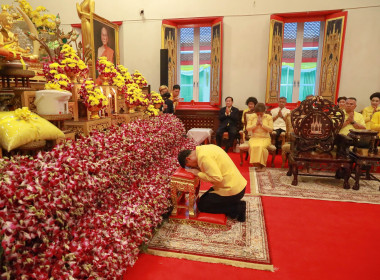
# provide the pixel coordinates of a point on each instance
(97, 25)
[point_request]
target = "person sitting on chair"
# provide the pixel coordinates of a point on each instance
(211, 164)
(342, 102)
(261, 125)
(229, 117)
(251, 103)
(279, 115)
(352, 119)
(372, 109)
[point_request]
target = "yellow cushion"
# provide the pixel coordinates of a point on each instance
(20, 127)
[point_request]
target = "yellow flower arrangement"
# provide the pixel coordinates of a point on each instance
(68, 62)
(71, 62)
(59, 82)
(143, 100)
(92, 95)
(151, 111)
(119, 82)
(43, 22)
(106, 68)
(156, 98)
(124, 72)
(131, 97)
(139, 79)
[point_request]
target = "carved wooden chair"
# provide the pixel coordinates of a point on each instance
(317, 142)
(244, 143)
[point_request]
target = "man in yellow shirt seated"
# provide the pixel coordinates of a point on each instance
(352, 120)
(211, 164)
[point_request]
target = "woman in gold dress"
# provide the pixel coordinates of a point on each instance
(260, 125)
(370, 110)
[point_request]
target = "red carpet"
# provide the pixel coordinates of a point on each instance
(308, 239)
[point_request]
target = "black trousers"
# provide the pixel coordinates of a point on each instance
(232, 132)
(217, 204)
(277, 142)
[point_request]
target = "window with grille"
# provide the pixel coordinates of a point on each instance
(195, 63)
(300, 52)
(305, 55)
(195, 48)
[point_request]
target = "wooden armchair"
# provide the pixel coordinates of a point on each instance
(244, 145)
(317, 143)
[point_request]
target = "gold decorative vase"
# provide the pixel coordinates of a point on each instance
(94, 110)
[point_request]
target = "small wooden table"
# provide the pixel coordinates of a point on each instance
(364, 159)
(183, 183)
(364, 162)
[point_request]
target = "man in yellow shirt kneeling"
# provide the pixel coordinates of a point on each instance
(211, 164)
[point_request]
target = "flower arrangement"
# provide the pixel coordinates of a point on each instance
(72, 64)
(139, 79)
(92, 95)
(156, 98)
(106, 69)
(151, 111)
(124, 72)
(65, 215)
(43, 22)
(143, 99)
(67, 62)
(59, 82)
(131, 97)
(119, 82)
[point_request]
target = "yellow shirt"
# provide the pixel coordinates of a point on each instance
(242, 116)
(218, 168)
(375, 122)
(367, 114)
(358, 118)
(260, 131)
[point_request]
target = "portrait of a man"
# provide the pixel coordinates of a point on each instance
(104, 40)
(105, 50)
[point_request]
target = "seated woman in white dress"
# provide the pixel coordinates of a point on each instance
(260, 125)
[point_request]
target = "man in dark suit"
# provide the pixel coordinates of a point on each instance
(228, 117)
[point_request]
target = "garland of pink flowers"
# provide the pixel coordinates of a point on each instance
(82, 210)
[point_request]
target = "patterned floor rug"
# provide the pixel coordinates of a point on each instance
(274, 182)
(238, 244)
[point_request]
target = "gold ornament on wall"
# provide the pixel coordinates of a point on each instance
(274, 61)
(331, 58)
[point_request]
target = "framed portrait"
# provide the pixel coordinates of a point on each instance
(104, 41)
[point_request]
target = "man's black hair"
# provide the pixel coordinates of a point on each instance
(176, 87)
(341, 98)
(166, 95)
(182, 157)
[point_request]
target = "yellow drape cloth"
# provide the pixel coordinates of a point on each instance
(367, 115)
(260, 138)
